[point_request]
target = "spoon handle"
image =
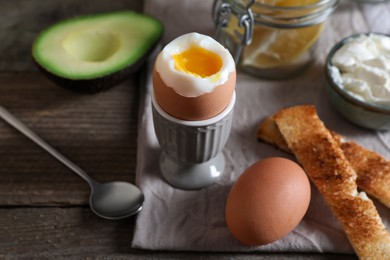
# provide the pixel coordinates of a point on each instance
(16, 123)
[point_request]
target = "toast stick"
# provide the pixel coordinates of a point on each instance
(373, 171)
(327, 167)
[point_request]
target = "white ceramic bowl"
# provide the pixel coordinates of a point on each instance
(362, 113)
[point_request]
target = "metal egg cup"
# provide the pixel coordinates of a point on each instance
(191, 156)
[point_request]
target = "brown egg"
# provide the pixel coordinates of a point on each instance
(194, 77)
(193, 108)
(267, 201)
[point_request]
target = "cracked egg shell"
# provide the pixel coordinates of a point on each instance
(194, 77)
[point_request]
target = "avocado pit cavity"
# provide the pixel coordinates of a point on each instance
(92, 46)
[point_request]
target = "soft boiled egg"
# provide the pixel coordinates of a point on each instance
(267, 201)
(194, 77)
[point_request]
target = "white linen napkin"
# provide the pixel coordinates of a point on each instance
(174, 219)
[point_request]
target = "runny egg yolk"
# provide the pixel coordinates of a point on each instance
(198, 62)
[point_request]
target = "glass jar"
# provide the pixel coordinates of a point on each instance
(271, 39)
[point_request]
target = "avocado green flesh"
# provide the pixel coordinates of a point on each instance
(94, 46)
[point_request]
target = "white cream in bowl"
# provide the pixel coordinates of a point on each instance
(362, 67)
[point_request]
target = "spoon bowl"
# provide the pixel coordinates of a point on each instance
(111, 200)
(114, 200)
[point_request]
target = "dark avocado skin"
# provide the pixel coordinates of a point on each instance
(91, 86)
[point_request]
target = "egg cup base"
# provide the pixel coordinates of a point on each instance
(188, 176)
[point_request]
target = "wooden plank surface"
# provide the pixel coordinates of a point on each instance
(48, 233)
(98, 132)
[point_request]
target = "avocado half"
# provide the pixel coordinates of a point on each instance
(95, 52)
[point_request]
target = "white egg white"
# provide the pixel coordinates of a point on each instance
(186, 84)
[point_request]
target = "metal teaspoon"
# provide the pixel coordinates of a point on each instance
(110, 200)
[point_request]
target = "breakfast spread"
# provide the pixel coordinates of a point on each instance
(328, 168)
(267, 201)
(194, 80)
(194, 77)
(362, 68)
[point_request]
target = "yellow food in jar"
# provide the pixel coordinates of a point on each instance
(274, 47)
